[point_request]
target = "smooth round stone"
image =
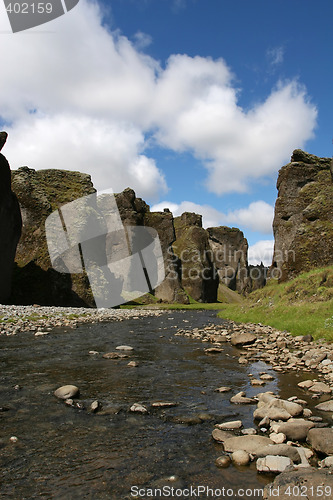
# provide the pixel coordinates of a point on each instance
(124, 348)
(223, 461)
(240, 457)
(66, 392)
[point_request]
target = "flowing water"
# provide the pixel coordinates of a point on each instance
(70, 453)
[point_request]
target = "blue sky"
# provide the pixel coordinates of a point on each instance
(196, 104)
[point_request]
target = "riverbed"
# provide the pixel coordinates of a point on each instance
(68, 452)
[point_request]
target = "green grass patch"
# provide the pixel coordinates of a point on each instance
(301, 306)
(194, 306)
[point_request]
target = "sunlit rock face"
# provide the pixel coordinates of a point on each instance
(303, 221)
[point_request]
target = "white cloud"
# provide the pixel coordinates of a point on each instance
(113, 96)
(142, 40)
(262, 251)
(110, 150)
(236, 146)
(258, 216)
(275, 55)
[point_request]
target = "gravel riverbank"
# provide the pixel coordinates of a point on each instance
(288, 438)
(41, 319)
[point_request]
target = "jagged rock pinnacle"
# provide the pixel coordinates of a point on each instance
(3, 138)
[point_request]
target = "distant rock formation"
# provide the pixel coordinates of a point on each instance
(229, 250)
(10, 225)
(197, 272)
(199, 263)
(303, 221)
(135, 212)
(212, 259)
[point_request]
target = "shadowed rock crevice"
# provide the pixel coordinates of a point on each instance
(10, 226)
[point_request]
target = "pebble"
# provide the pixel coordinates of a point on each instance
(277, 438)
(273, 464)
(138, 408)
(17, 319)
(240, 457)
(95, 406)
(229, 426)
(223, 461)
(133, 363)
(66, 392)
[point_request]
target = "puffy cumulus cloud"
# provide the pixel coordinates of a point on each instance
(83, 71)
(108, 150)
(236, 146)
(258, 216)
(79, 67)
(262, 251)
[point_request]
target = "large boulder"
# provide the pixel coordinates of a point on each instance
(277, 409)
(299, 484)
(273, 463)
(239, 339)
(325, 406)
(251, 444)
(10, 228)
(296, 430)
(303, 221)
(321, 440)
(283, 450)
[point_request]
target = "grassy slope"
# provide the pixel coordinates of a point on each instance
(303, 305)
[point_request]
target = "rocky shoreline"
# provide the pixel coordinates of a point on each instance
(287, 438)
(42, 319)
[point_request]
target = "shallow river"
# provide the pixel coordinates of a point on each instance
(70, 453)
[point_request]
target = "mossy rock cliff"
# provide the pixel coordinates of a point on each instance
(35, 281)
(303, 221)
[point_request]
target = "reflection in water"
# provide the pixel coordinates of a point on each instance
(67, 453)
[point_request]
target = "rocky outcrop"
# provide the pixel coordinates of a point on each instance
(35, 281)
(197, 271)
(212, 259)
(303, 221)
(197, 262)
(171, 289)
(42, 192)
(10, 226)
(229, 254)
